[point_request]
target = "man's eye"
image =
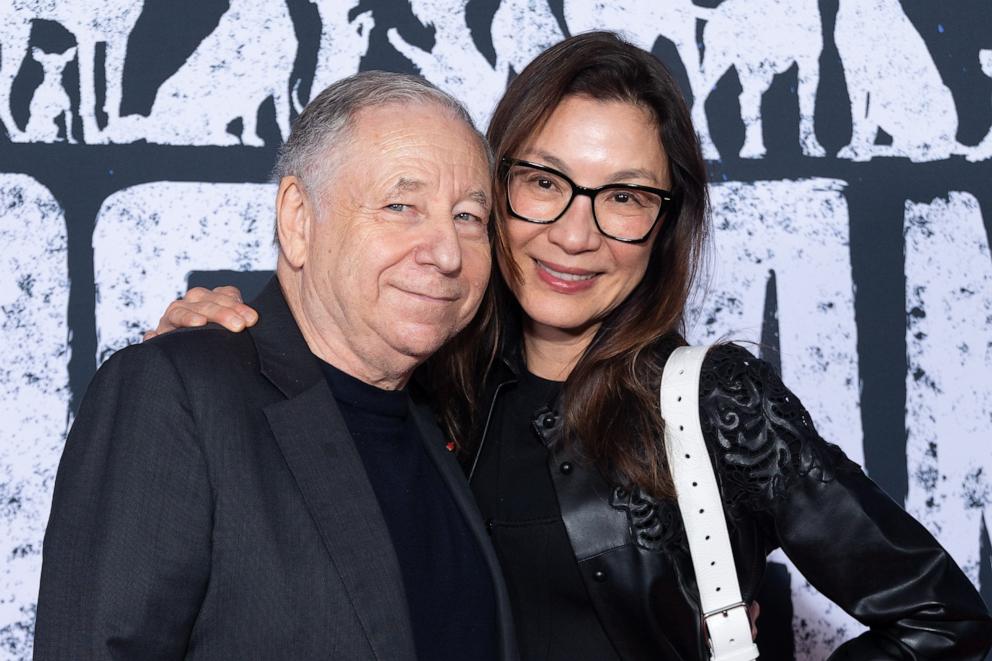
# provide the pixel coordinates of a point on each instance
(468, 217)
(398, 207)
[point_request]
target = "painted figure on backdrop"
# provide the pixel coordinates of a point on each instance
(881, 52)
(758, 39)
(343, 43)
(247, 58)
(550, 395)
(761, 40)
(50, 101)
(674, 20)
(91, 22)
(454, 63)
(279, 493)
(522, 30)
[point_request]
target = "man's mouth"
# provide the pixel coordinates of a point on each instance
(431, 297)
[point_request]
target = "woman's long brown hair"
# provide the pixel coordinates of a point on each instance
(610, 400)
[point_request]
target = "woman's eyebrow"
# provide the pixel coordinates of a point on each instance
(635, 173)
(547, 158)
(615, 178)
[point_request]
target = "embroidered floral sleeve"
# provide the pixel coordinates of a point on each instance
(762, 436)
(846, 536)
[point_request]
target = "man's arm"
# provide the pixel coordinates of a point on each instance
(127, 549)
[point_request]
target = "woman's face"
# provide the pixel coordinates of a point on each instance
(572, 276)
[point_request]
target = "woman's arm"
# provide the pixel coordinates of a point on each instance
(199, 306)
(846, 536)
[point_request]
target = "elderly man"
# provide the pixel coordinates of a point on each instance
(275, 494)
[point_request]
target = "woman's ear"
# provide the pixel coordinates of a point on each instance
(294, 220)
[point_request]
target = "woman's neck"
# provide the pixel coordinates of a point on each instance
(552, 353)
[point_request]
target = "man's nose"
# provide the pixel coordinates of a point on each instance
(576, 231)
(439, 244)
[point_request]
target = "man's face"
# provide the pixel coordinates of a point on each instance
(398, 258)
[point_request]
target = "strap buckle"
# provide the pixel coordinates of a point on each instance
(725, 610)
(742, 649)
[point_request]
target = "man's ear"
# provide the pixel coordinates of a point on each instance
(294, 220)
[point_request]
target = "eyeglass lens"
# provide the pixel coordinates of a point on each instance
(542, 196)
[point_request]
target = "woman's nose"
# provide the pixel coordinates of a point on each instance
(576, 230)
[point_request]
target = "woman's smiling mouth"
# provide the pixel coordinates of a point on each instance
(564, 279)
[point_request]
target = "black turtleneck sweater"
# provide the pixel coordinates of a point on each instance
(448, 586)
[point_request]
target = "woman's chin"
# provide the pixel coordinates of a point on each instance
(564, 324)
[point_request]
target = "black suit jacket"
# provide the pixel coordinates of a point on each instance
(210, 504)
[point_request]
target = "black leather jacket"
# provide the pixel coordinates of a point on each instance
(782, 486)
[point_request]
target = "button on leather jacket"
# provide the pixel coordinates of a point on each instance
(782, 487)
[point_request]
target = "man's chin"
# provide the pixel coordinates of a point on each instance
(421, 341)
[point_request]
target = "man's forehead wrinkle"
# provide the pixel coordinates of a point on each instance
(401, 154)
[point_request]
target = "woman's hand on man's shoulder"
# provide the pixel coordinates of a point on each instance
(200, 306)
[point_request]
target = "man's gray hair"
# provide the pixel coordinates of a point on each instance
(323, 129)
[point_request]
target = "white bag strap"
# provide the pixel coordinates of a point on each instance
(724, 611)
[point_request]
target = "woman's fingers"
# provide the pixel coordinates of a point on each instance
(753, 611)
(200, 306)
(230, 291)
(184, 314)
(231, 298)
(196, 294)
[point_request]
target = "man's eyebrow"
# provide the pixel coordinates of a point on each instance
(406, 185)
(479, 197)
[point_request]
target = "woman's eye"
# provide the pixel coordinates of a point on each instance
(627, 197)
(543, 183)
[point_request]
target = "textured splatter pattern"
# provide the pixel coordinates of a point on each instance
(948, 389)
(145, 244)
(34, 392)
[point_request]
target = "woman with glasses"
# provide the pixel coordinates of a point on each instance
(551, 396)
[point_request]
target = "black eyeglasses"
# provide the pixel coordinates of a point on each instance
(623, 212)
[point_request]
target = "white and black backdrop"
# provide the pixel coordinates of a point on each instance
(849, 148)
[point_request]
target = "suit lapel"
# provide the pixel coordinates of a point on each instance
(330, 474)
(328, 470)
(454, 479)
